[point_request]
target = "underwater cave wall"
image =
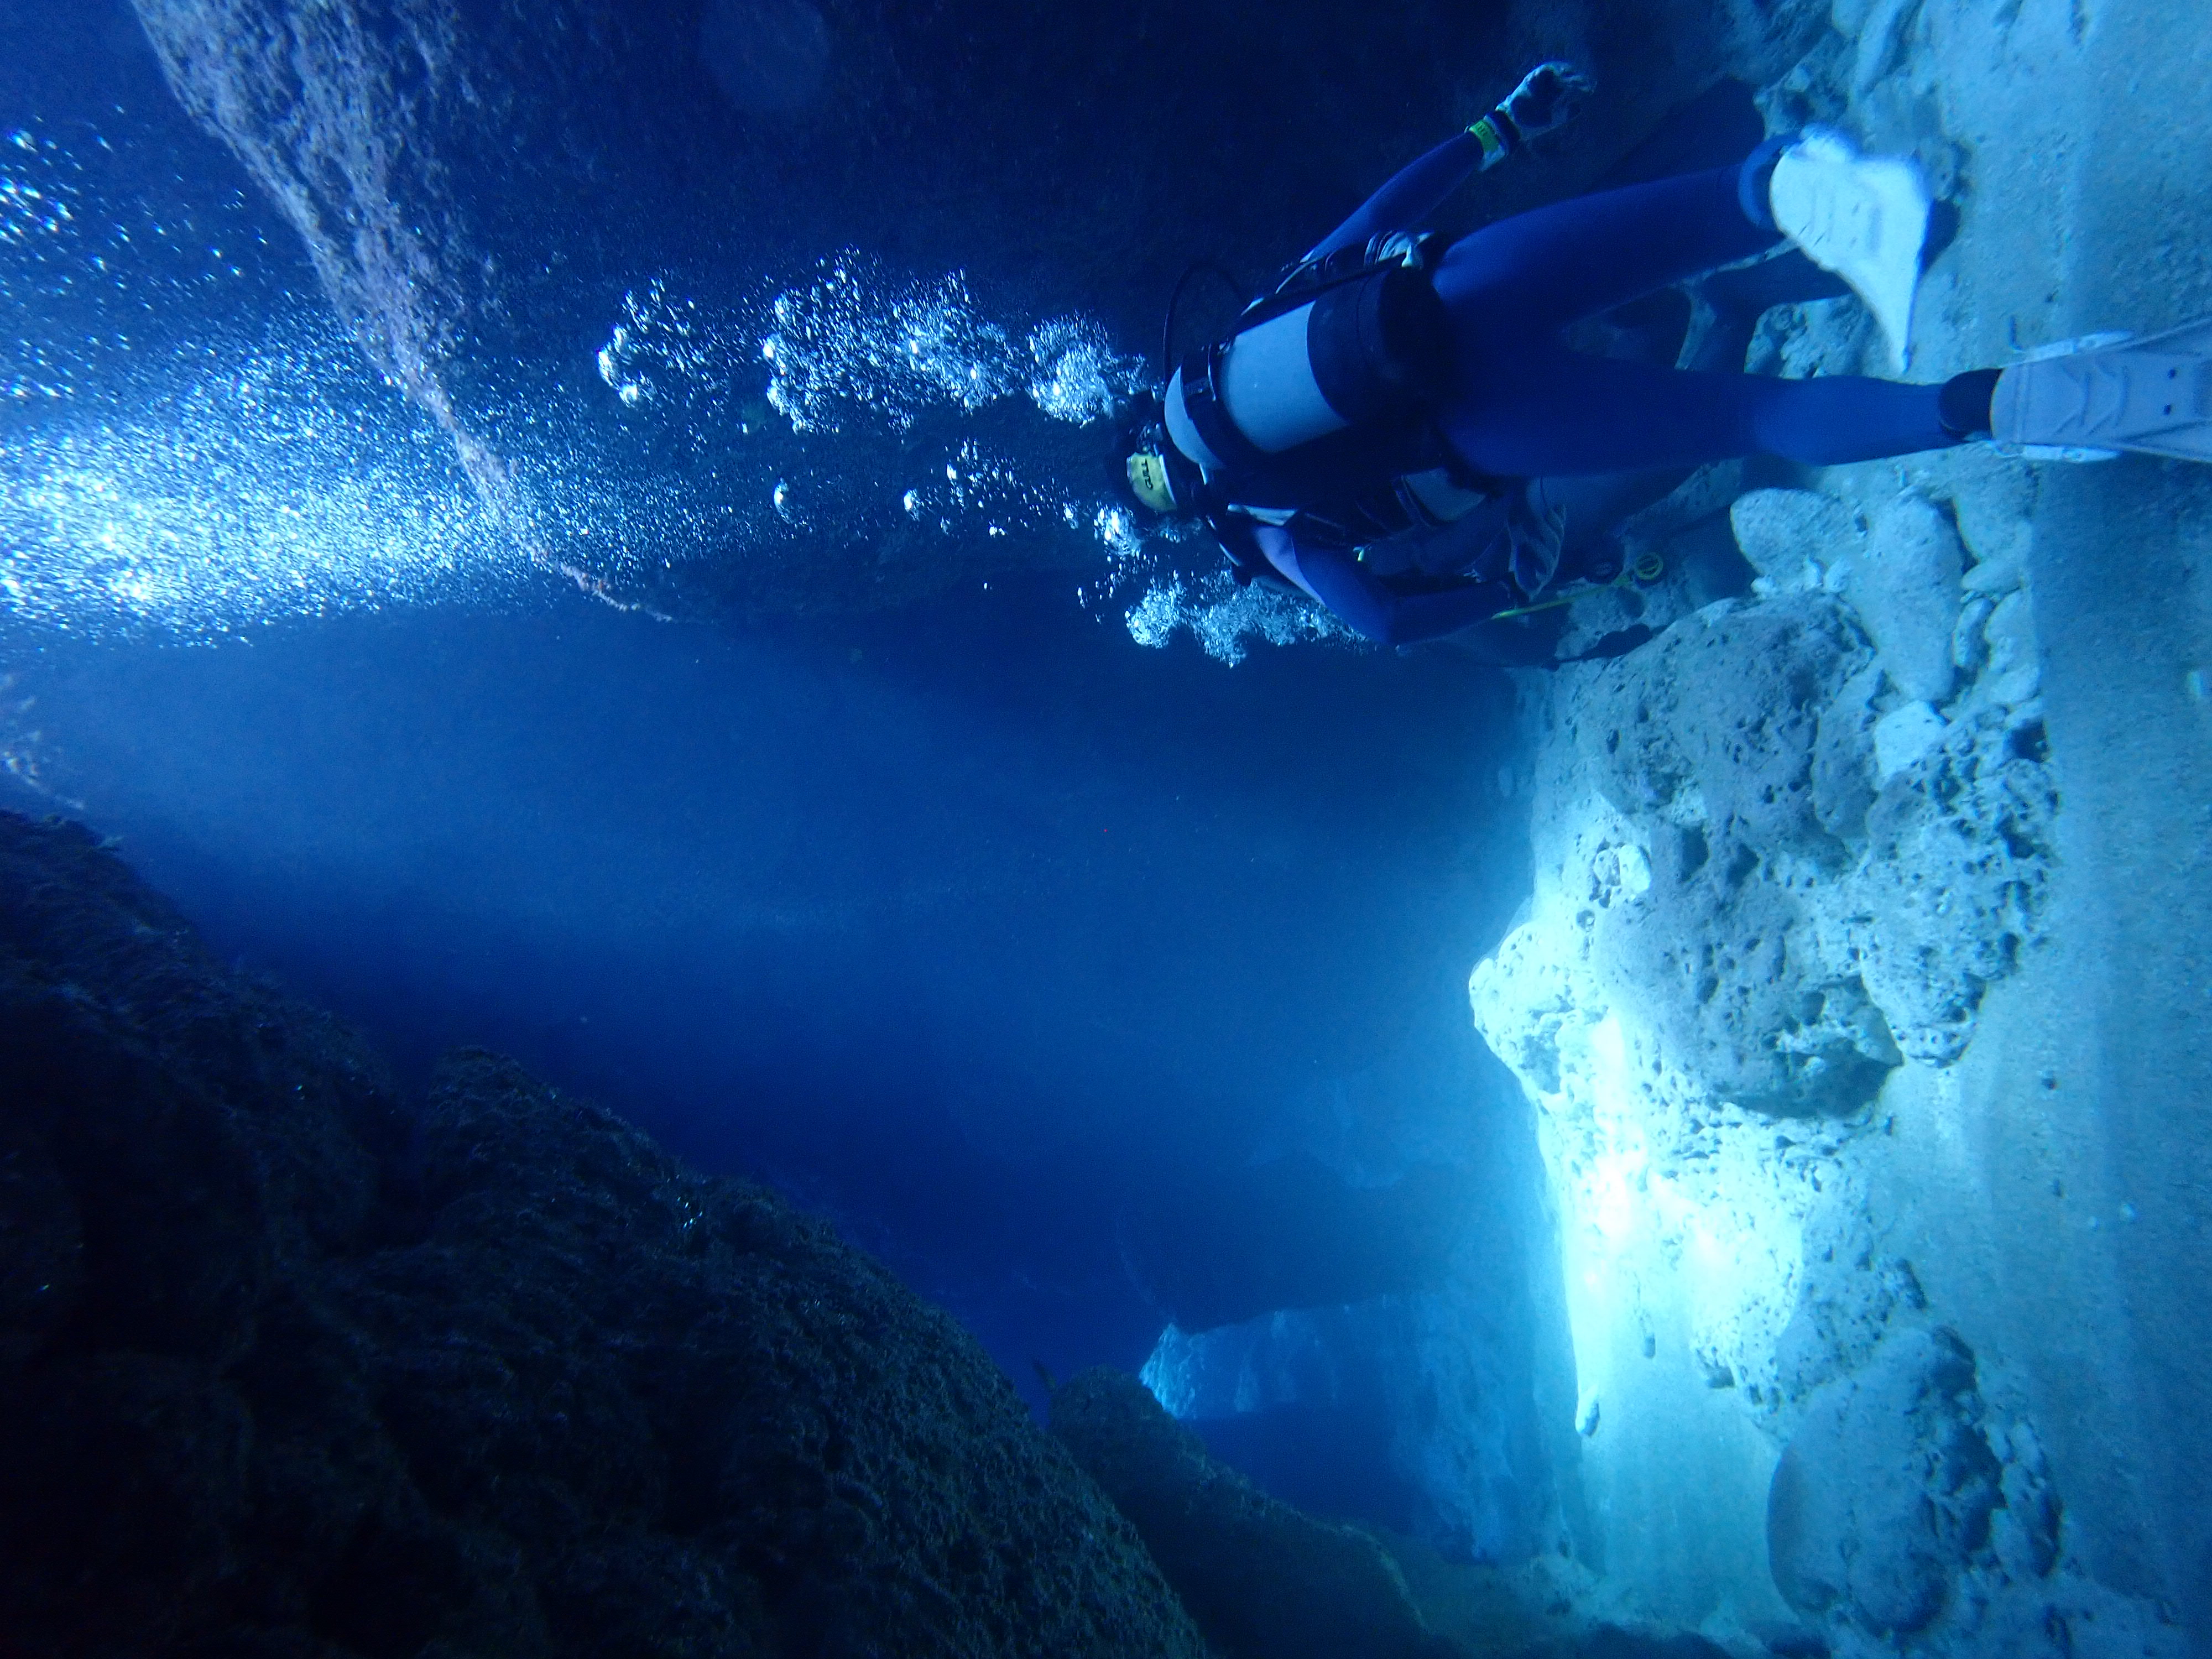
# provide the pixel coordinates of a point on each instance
(1808, 945)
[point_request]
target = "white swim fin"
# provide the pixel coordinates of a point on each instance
(2088, 399)
(1864, 218)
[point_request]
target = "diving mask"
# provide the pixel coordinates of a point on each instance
(1148, 480)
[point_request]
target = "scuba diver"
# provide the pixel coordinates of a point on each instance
(1399, 431)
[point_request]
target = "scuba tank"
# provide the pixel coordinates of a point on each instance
(1341, 344)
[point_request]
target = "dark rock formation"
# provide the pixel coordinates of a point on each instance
(286, 1369)
(1611, 1642)
(1261, 1579)
(1267, 1581)
(1886, 1490)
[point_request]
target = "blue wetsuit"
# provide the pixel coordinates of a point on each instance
(1413, 192)
(1523, 405)
(1373, 609)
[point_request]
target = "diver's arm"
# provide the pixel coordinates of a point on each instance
(1414, 192)
(1546, 98)
(1359, 600)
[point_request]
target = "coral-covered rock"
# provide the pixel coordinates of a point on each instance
(286, 1367)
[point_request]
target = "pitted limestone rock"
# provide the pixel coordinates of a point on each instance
(2014, 666)
(1951, 886)
(1828, 876)
(1904, 737)
(1970, 646)
(1709, 747)
(1718, 719)
(1843, 756)
(1736, 989)
(1993, 502)
(1850, 1296)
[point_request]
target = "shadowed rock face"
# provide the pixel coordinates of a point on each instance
(284, 1367)
(1886, 1491)
(1261, 1578)
(1268, 1581)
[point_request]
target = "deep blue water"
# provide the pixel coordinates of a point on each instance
(1089, 984)
(963, 923)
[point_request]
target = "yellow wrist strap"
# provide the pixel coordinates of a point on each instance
(1494, 147)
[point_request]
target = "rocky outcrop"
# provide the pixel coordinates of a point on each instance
(287, 1366)
(1790, 859)
(1911, 1502)
(1262, 1579)
(1265, 1580)
(1886, 1490)
(1782, 852)
(1797, 865)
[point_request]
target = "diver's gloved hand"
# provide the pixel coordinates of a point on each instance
(1549, 96)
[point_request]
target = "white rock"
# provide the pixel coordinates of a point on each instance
(1905, 589)
(1635, 871)
(1779, 530)
(1864, 1501)
(1969, 649)
(1880, 38)
(1687, 1049)
(1843, 783)
(1903, 736)
(1993, 499)
(1999, 575)
(2014, 671)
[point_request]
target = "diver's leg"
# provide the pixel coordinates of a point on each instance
(1594, 505)
(1549, 411)
(1543, 270)
(1729, 303)
(1751, 291)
